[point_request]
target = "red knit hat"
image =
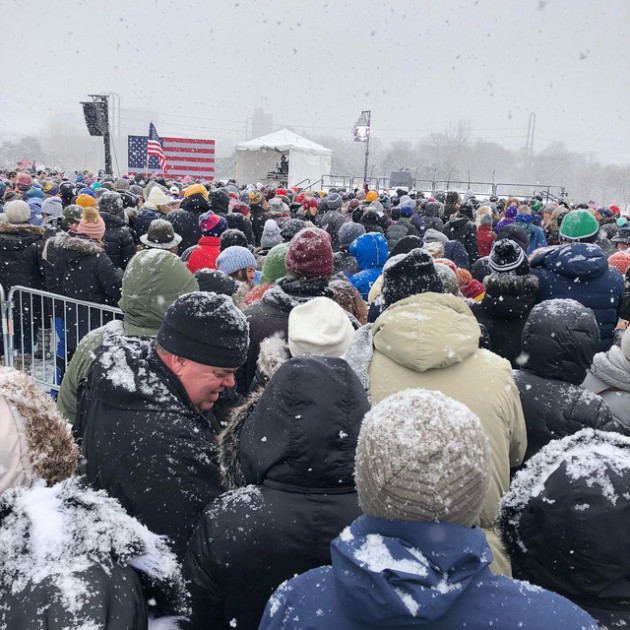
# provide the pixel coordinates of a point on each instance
(449, 263)
(621, 260)
(474, 290)
(310, 254)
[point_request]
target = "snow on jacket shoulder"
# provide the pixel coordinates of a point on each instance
(117, 240)
(558, 344)
(21, 256)
(144, 443)
(401, 574)
(580, 271)
(431, 341)
(461, 228)
(296, 449)
(370, 250)
(83, 564)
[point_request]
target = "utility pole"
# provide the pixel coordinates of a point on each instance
(96, 115)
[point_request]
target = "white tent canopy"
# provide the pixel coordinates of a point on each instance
(307, 160)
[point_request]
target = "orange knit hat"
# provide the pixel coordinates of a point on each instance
(621, 260)
(86, 201)
(196, 189)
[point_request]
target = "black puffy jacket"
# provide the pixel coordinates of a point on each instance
(503, 310)
(258, 217)
(461, 228)
(185, 220)
(296, 450)
(237, 221)
(21, 248)
(84, 272)
(559, 341)
(144, 443)
(118, 241)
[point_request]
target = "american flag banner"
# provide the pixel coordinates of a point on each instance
(184, 156)
(154, 147)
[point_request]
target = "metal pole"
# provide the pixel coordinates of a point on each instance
(367, 148)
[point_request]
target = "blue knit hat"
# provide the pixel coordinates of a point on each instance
(234, 259)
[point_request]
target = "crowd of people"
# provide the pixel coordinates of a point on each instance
(321, 409)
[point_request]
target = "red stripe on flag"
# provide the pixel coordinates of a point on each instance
(187, 158)
(196, 169)
(188, 150)
(188, 140)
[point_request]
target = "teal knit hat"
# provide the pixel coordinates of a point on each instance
(578, 225)
(274, 267)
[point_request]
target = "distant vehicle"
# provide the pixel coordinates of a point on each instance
(401, 179)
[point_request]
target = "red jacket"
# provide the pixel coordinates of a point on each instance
(205, 254)
(485, 238)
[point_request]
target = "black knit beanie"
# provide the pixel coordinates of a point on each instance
(206, 328)
(507, 256)
(232, 237)
(409, 274)
(215, 281)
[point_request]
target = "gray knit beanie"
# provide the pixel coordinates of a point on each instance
(422, 456)
(271, 235)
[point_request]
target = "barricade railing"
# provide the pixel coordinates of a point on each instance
(43, 330)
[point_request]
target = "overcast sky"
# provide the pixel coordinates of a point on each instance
(203, 66)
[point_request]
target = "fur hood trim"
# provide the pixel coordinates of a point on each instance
(229, 441)
(31, 420)
(21, 228)
(274, 351)
(81, 245)
(511, 284)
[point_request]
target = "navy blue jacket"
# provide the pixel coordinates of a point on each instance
(406, 574)
(580, 271)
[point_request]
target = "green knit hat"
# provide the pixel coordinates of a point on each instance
(578, 225)
(535, 205)
(274, 267)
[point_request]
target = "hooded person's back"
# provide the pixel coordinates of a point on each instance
(431, 341)
(558, 343)
(580, 271)
(153, 280)
(294, 445)
(370, 250)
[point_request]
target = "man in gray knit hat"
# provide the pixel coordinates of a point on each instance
(416, 559)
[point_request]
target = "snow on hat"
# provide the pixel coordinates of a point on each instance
(448, 278)
(52, 206)
(206, 328)
(310, 254)
(434, 236)
(349, 232)
(334, 201)
(623, 234)
(92, 224)
(291, 228)
(319, 326)
(232, 236)
(271, 234)
(274, 266)
(17, 211)
(506, 255)
(234, 259)
(161, 235)
(196, 189)
(621, 260)
(86, 201)
(111, 203)
(406, 202)
(422, 456)
(409, 274)
(122, 184)
(577, 225)
(256, 198)
(212, 224)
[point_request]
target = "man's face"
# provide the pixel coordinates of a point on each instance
(204, 383)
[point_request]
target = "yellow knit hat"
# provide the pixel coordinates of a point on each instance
(85, 201)
(196, 189)
(371, 196)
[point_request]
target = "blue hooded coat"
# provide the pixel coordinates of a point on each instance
(580, 271)
(410, 574)
(536, 235)
(370, 250)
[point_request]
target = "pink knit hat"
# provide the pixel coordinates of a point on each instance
(92, 224)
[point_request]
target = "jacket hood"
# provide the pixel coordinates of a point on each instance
(83, 246)
(153, 280)
(370, 250)
(565, 515)
(35, 442)
(405, 574)
(43, 538)
(576, 260)
(303, 432)
(559, 340)
(509, 296)
(113, 220)
(427, 331)
(20, 235)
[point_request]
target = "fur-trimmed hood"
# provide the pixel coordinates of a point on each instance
(81, 245)
(511, 284)
(274, 351)
(508, 295)
(21, 228)
(35, 441)
(55, 535)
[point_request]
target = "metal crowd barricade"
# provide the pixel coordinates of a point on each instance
(44, 329)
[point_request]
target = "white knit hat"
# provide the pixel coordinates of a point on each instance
(422, 456)
(320, 326)
(158, 197)
(17, 211)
